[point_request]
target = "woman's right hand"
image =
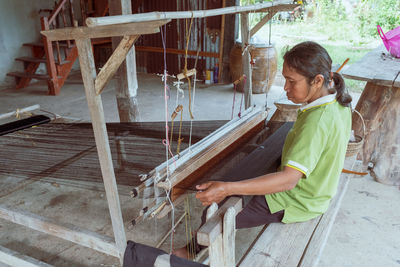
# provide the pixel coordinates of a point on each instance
(212, 191)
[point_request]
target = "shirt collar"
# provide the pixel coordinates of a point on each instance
(328, 99)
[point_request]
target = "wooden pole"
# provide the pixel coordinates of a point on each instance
(126, 90)
(150, 16)
(244, 22)
(101, 137)
(65, 231)
(50, 63)
(228, 237)
(112, 64)
(14, 258)
(15, 113)
(215, 249)
(271, 12)
(221, 44)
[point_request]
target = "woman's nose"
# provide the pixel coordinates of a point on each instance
(286, 86)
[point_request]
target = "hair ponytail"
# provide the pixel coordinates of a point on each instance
(342, 97)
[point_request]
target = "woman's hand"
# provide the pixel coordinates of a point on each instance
(212, 192)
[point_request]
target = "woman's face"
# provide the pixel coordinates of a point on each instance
(296, 85)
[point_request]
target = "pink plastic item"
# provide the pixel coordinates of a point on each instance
(391, 40)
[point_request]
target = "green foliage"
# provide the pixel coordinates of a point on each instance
(371, 13)
(330, 11)
(254, 18)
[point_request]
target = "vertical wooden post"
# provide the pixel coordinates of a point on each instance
(228, 242)
(126, 91)
(101, 137)
(215, 249)
(248, 91)
(54, 89)
(221, 44)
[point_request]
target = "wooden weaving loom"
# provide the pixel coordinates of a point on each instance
(131, 27)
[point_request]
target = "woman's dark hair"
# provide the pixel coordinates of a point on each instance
(310, 59)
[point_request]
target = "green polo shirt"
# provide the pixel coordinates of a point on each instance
(316, 146)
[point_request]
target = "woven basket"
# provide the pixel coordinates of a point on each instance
(355, 146)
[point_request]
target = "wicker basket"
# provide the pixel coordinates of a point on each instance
(355, 146)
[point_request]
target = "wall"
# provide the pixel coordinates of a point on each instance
(19, 23)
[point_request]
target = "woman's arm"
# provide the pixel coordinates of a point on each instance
(214, 191)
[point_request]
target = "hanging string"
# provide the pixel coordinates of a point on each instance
(167, 144)
(194, 95)
(242, 79)
(188, 31)
(234, 96)
(241, 100)
(179, 135)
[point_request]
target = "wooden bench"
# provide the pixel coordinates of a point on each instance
(296, 244)
(278, 244)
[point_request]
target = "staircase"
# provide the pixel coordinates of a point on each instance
(59, 56)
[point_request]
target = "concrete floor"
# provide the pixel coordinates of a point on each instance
(366, 231)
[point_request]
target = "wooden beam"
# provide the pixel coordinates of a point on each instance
(189, 73)
(127, 85)
(14, 258)
(279, 7)
(213, 227)
(175, 51)
(113, 63)
(70, 33)
(262, 22)
(215, 249)
(211, 151)
(246, 58)
(153, 16)
(271, 12)
(228, 237)
(65, 231)
(187, 154)
(101, 137)
(19, 111)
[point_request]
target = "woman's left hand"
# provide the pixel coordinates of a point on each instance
(212, 191)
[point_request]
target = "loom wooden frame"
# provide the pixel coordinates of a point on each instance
(94, 85)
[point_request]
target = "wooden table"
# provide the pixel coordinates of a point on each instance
(379, 105)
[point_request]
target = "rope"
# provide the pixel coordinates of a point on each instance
(353, 172)
(244, 80)
(241, 100)
(166, 143)
(191, 119)
(234, 96)
(188, 31)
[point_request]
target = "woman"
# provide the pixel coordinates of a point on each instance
(313, 153)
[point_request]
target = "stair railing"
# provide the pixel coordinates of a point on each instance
(57, 19)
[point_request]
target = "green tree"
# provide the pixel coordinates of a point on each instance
(371, 13)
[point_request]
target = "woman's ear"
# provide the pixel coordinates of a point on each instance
(319, 81)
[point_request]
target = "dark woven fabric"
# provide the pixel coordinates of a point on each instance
(139, 255)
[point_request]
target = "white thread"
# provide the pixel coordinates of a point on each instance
(177, 84)
(193, 105)
(142, 177)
